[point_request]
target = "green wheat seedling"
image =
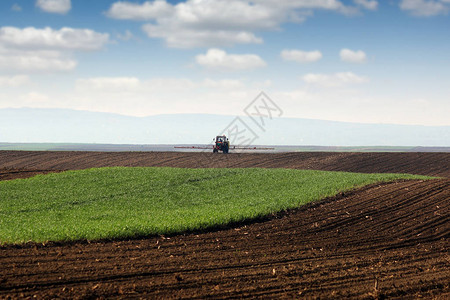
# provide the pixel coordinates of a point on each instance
(129, 202)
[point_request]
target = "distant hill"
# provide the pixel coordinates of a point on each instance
(31, 125)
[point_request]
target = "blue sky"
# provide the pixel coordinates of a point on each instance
(358, 61)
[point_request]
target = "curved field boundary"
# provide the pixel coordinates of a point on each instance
(432, 164)
(124, 202)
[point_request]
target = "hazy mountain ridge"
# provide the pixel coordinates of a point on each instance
(34, 125)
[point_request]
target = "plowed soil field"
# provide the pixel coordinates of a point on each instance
(385, 240)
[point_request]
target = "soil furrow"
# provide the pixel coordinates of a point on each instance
(386, 240)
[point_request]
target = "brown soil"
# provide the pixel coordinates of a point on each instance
(388, 240)
(435, 164)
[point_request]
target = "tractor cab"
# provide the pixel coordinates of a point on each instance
(221, 144)
(221, 139)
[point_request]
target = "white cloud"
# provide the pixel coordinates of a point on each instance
(134, 11)
(142, 97)
(197, 14)
(334, 5)
(220, 60)
(301, 56)
(190, 38)
(35, 61)
(367, 4)
(14, 81)
(218, 23)
(334, 80)
(16, 7)
(33, 49)
(48, 38)
(351, 56)
(204, 23)
(54, 6)
(425, 8)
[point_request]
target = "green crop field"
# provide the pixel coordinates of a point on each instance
(129, 202)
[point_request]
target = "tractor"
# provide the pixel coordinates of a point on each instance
(221, 143)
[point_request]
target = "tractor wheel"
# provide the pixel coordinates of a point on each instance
(215, 150)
